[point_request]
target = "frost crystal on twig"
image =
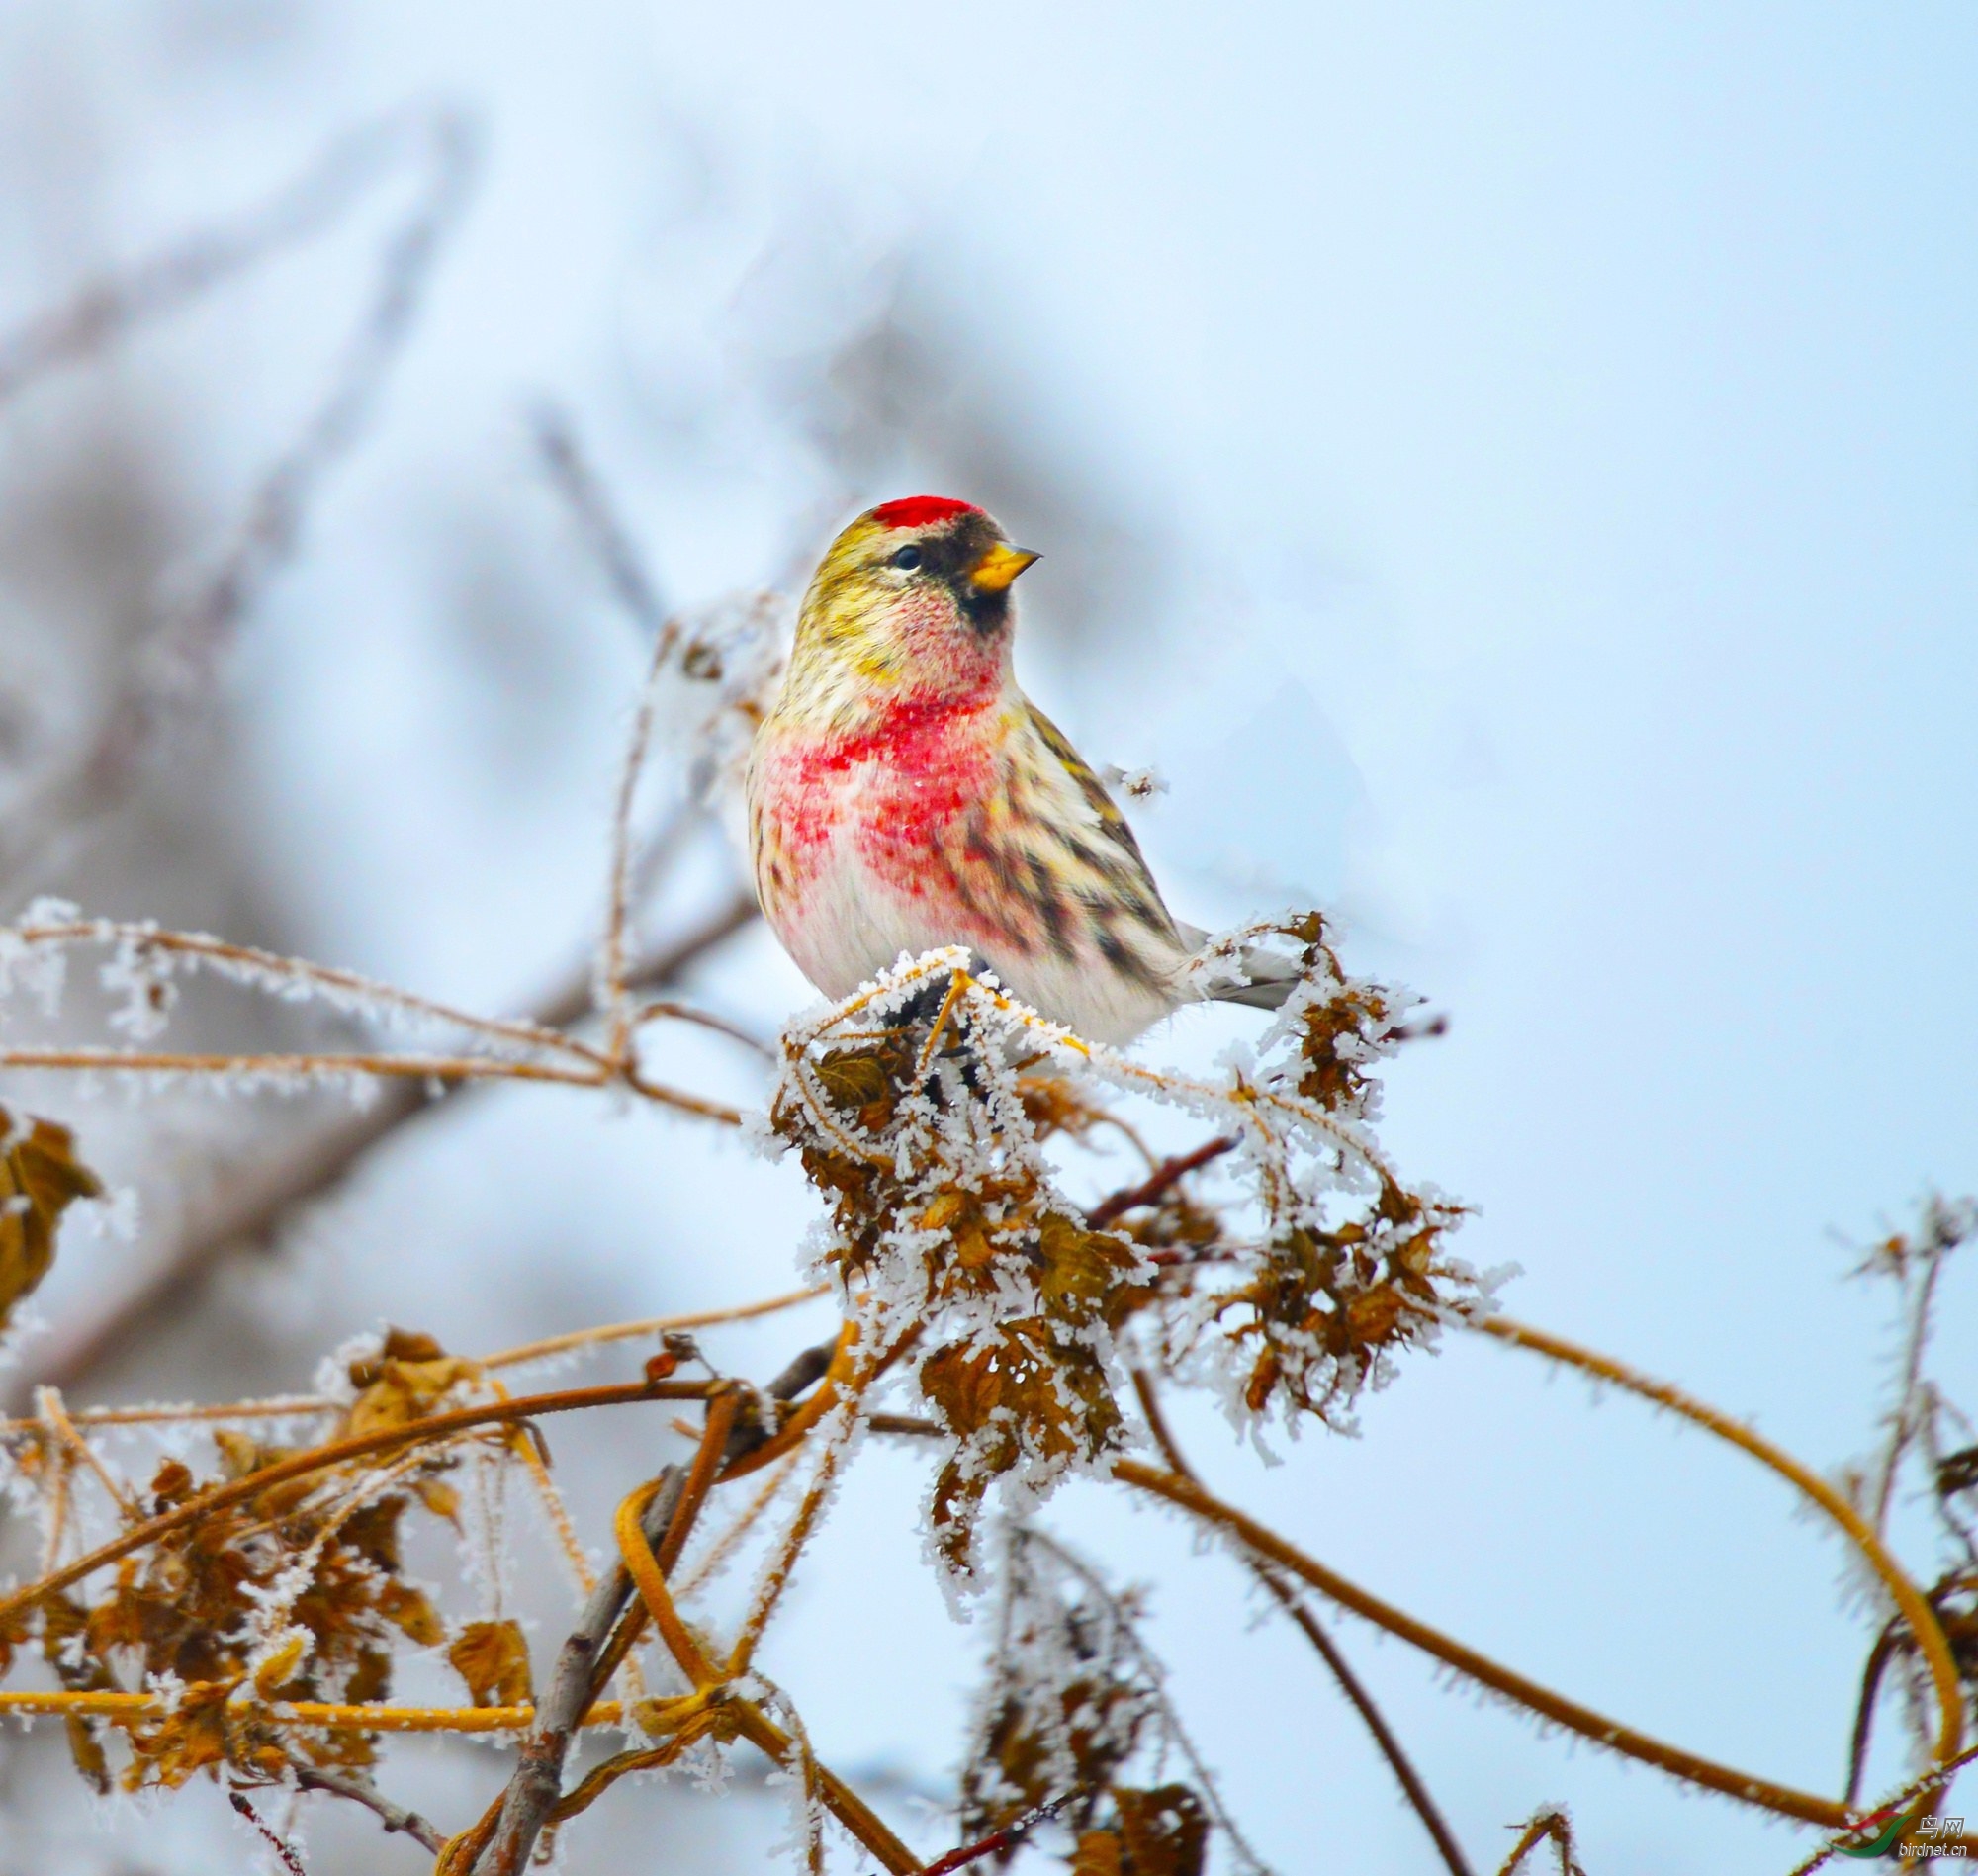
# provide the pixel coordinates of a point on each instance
(922, 1107)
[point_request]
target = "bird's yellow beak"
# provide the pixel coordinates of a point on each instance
(996, 569)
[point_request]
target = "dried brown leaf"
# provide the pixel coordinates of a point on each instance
(493, 1658)
(1098, 1854)
(87, 1750)
(1165, 1830)
(39, 1179)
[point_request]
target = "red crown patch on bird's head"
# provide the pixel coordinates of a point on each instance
(917, 512)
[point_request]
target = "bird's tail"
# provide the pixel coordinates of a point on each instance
(1251, 975)
(1262, 993)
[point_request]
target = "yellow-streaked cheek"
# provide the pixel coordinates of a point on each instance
(871, 659)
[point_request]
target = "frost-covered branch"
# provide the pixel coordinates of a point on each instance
(251, 1201)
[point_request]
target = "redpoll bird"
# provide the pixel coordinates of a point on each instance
(903, 794)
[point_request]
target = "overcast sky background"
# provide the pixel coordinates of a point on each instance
(1513, 471)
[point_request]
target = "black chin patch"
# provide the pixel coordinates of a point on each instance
(952, 554)
(986, 613)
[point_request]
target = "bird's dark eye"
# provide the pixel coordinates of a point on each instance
(907, 559)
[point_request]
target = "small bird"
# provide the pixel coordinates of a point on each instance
(903, 794)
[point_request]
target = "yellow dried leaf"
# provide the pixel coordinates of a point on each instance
(371, 1679)
(1373, 1315)
(493, 1658)
(409, 1610)
(87, 1751)
(965, 1385)
(1080, 1267)
(180, 1744)
(170, 1484)
(946, 1207)
(865, 1082)
(280, 1665)
(239, 1453)
(39, 1179)
(406, 1390)
(411, 1345)
(438, 1497)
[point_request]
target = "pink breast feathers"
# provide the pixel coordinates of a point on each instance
(895, 788)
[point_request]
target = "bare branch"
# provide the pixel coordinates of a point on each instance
(650, 1325)
(609, 541)
(1914, 1607)
(1949, 1837)
(1588, 1724)
(394, 1817)
(1350, 1684)
(612, 993)
(288, 1860)
(1872, 1670)
(997, 1843)
(176, 665)
(536, 1783)
(1157, 1183)
(108, 310)
(581, 1666)
(251, 1205)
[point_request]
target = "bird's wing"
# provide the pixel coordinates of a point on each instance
(1263, 981)
(1110, 822)
(1048, 854)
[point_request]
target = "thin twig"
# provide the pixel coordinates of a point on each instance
(776, 1574)
(650, 1325)
(437, 1426)
(715, 1557)
(1904, 1417)
(1943, 1843)
(307, 1716)
(53, 1416)
(999, 1843)
(1591, 1725)
(302, 1406)
(290, 1861)
(300, 1066)
(610, 542)
(1548, 1824)
(273, 972)
(535, 1786)
(112, 309)
(1155, 1186)
(713, 1448)
(612, 993)
(394, 1817)
(843, 1802)
(251, 1205)
(1872, 1670)
(649, 1578)
(1910, 1604)
(1288, 1599)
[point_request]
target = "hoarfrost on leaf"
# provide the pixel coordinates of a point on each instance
(922, 1107)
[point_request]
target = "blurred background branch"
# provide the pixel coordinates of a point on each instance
(172, 667)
